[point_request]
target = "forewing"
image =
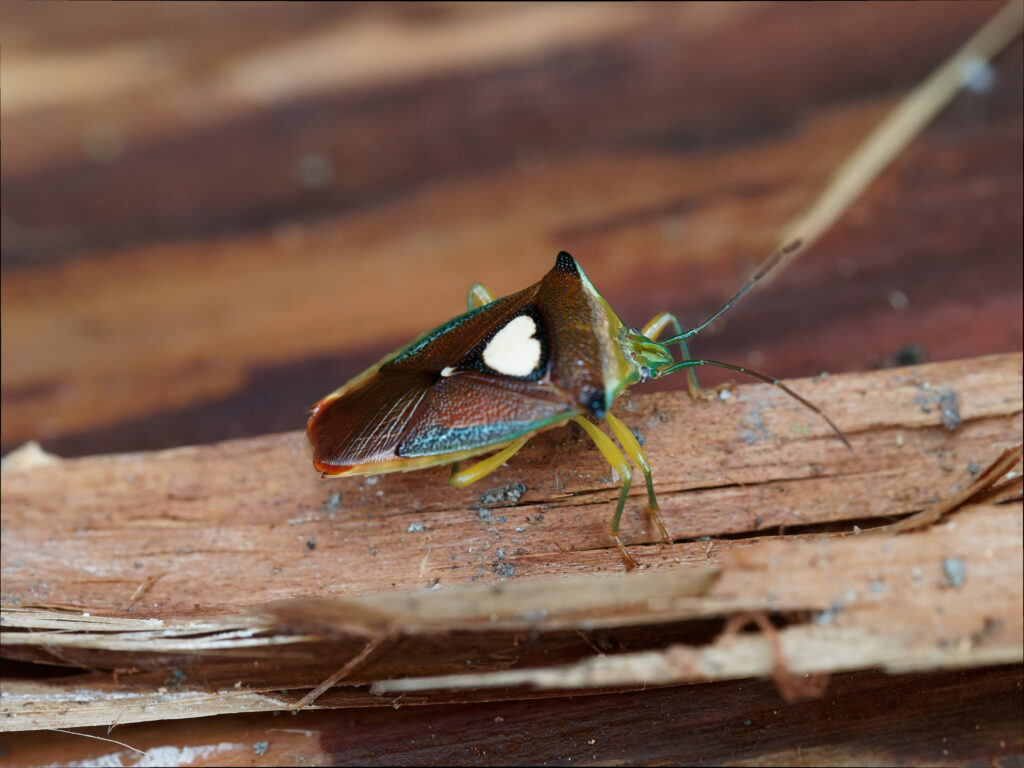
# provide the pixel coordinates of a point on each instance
(473, 410)
(366, 424)
(476, 382)
(456, 340)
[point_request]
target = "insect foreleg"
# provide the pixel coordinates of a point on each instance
(653, 330)
(632, 448)
(618, 462)
(478, 296)
(462, 477)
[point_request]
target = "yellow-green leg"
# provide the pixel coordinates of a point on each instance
(654, 328)
(632, 448)
(462, 477)
(618, 462)
(478, 296)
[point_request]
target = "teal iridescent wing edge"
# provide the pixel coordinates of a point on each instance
(404, 408)
(477, 410)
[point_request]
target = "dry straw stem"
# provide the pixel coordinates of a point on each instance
(1002, 479)
(906, 121)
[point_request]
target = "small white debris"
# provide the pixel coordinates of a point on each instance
(898, 299)
(978, 75)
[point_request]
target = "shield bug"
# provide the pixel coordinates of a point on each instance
(508, 368)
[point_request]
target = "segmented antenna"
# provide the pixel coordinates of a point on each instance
(770, 263)
(767, 380)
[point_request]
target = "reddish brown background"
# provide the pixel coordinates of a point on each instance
(213, 215)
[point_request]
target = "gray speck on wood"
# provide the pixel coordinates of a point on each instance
(949, 402)
(955, 570)
(508, 494)
(754, 430)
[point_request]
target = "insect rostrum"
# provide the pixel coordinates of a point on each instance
(490, 379)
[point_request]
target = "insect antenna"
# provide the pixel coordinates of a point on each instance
(765, 378)
(773, 261)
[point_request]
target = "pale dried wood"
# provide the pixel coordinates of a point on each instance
(75, 530)
(246, 522)
(901, 606)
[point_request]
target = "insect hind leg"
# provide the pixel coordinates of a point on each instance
(460, 478)
(478, 296)
(653, 330)
(632, 448)
(618, 462)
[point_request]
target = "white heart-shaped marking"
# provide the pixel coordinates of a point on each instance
(514, 351)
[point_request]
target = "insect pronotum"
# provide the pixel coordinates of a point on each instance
(556, 352)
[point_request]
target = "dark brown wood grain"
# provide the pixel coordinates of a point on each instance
(213, 215)
(867, 718)
(184, 262)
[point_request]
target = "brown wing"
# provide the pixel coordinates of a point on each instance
(436, 398)
(441, 399)
(472, 410)
(398, 418)
(365, 424)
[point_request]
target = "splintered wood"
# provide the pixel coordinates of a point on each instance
(230, 578)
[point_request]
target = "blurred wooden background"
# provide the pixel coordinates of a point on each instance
(214, 214)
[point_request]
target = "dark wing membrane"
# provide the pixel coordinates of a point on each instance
(473, 410)
(427, 400)
(401, 414)
(452, 342)
(366, 424)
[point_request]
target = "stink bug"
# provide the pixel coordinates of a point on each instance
(508, 368)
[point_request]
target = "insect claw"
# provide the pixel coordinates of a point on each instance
(666, 539)
(626, 557)
(713, 393)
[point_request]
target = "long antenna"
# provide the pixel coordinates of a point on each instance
(767, 379)
(773, 261)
